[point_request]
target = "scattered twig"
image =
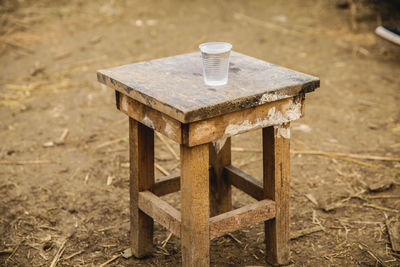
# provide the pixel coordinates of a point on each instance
(304, 232)
(383, 196)
(340, 203)
(158, 167)
(24, 162)
(324, 153)
(245, 163)
(58, 254)
(109, 179)
(73, 255)
(110, 260)
(364, 248)
(62, 137)
(111, 142)
(334, 156)
(242, 149)
(235, 239)
(348, 155)
(164, 243)
(43, 256)
(381, 208)
(312, 199)
(174, 166)
(16, 45)
(124, 119)
(361, 222)
(353, 12)
(106, 228)
(13, 252)
(162, 138)
(266, 24)
(316, 221)
(161, 169)
(62, 55)
(116, 150)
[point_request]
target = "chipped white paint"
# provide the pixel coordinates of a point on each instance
(168, 129)
(148, 122)
(282, 132)
(124, 104)
(219, 144)
(271, 97)
(265, 98)
(291, 111)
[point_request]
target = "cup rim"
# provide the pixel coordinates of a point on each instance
(206, 47)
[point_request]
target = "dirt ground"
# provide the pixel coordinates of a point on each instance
(72, 192)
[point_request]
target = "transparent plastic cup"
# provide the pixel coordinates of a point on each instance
(215, 57)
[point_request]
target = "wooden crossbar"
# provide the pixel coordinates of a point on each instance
(160, 211)
(245, 216)
(245, 182)
(168, 184)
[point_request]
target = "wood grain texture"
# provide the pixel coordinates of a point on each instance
(160, 211)
(168, 184)
(195, 205)
(275, 113)
(220, 188)
(245, 182)
(245, 216)
(276, 163)
(175, 86)
(141, 154)
(150, 117)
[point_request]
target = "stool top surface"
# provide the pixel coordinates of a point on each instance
(175, 86)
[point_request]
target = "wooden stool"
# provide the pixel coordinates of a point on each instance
(168, 95)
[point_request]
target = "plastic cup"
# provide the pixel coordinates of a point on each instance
(215, 57)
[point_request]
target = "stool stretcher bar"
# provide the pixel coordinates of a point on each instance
(245, 216)
(245, 182)
(160, 211)
(222, 224)
(241, 180)
(167, 185)
(238, 178)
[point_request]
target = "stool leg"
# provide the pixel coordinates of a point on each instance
(276, 163)
(195, 234)
(220, 187)
(141, 154)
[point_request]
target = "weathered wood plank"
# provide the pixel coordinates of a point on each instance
(150, 117)
(141, 154)
(220, 188)
(160, 211)
(276, 163)
(175, 86)
(245, 216)
(195, 205)
(245, 182)
(168, 184)
(230, 124)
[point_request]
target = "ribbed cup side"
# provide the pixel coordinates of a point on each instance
(215, 68)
